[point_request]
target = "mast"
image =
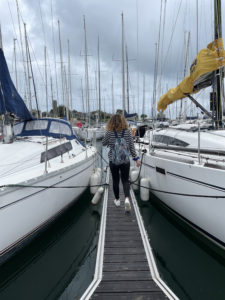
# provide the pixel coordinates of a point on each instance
(69, 80)
(53, 112)
(61, 64)
(28, 70)
(22, 52)
(143, 105)
(96, 106)
(218, 73)
(197, 25)
(32, 77)
(185, 70)
(123, 73)
(66, 93)
(82, 97)
(53, 41)
(15, 61)
(155, 82)
(128, 104)
(46, 82)
(113, 108)
(86, 73)
(99, 87)
(137, 57)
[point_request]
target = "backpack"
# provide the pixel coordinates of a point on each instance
(120, 152)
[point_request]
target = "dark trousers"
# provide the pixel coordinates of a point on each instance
(116, 171)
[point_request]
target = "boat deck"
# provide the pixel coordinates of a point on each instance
(125, 266)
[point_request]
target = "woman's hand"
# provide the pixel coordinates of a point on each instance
(138, 163)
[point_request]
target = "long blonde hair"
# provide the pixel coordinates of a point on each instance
(117, 123)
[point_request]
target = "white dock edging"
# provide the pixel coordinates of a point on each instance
(150, 257)
(100, 252)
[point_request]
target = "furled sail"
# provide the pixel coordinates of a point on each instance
(201, 74)
(10, 100)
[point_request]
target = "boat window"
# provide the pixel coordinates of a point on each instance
(60, 128)
(36, 125)
(56, 151)
(168, 140)
(17, 128)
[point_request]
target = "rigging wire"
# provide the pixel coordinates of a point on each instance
(164, 21)
(47, 52)
(33, 52)
(157, 52)
(54, 52)
(42, 23)
(171, 38)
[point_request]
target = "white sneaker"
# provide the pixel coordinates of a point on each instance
(127, 205)
(117, 202)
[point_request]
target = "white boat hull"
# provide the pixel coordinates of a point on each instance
(205, 213)
(24, 210)
(88, 133)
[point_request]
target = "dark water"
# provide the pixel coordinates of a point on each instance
(48, 267)
(192, 267)
(59, 263)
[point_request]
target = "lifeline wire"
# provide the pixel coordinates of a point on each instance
(56, 187)
(51, 187)
(106, 184)
(179, 194)
(171, 193)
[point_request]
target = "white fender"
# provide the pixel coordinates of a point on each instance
(95, 179)
(99, 170)
(97, 195)
(144, 189)
(133, 177)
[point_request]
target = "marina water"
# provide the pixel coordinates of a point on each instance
(60, 262)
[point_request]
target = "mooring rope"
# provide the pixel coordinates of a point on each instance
(139, 173)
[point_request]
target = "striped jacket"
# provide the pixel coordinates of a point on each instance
(109, 140)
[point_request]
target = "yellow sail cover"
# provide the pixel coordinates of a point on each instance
(207, 61)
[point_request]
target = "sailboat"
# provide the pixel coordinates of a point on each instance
(44, 168)
(87, 132)
(186, 168)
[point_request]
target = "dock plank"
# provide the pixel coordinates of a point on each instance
(126, 273)
(126, 266)
(128, 286)
(131, 296)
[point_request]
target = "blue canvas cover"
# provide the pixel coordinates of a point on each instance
(126, 115)
(10, 100)
(55, 128)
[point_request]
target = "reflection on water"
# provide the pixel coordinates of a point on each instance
(48, 265)
(188, 265)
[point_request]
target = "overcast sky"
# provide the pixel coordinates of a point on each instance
(103, 20)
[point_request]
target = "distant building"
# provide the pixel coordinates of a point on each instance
(55, 108)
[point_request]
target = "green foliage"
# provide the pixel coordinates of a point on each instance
(143, 116)
(119, 111)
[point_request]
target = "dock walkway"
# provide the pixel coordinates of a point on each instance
(125, 266)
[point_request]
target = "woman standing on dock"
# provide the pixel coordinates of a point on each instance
(118, 138)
